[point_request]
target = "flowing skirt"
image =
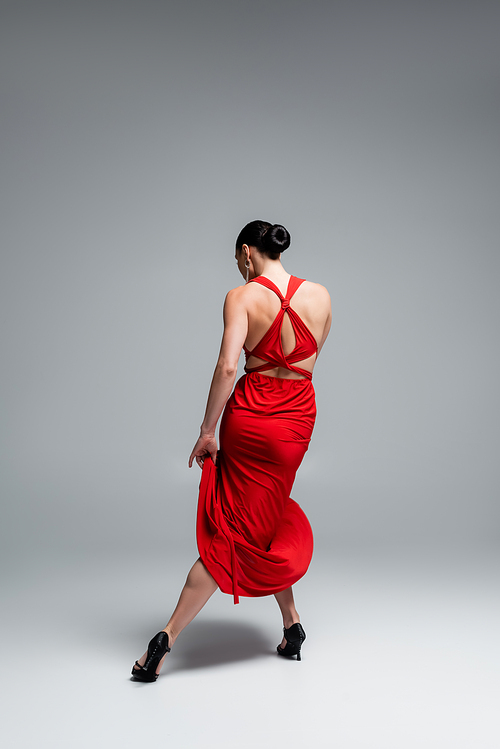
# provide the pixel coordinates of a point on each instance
(252, 537)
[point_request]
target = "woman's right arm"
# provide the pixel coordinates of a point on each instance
(233, 338)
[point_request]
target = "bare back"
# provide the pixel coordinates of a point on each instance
(310, 301)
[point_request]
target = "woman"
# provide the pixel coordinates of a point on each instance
(253, 539)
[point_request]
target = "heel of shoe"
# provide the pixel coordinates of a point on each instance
(157, 648)
(294, 637)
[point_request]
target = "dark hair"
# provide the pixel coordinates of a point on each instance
(268, 238)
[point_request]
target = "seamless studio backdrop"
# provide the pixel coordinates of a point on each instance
(137, 139)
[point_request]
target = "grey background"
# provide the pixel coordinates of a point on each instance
(137, 138)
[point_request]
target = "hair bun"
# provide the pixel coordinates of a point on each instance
(276, 239)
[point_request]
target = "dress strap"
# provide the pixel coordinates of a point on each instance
(264, 281)
(293, 285)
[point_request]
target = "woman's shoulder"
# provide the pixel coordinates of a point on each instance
(239, 296)
(315, 290)
(251, 291)
(245, 291)
(239, 292)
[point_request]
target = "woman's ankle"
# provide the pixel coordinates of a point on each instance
(290, 619)
(172, 637)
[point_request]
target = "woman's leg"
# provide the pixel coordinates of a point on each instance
(288, 610)
(198, 588)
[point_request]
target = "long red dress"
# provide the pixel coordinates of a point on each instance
(252, 537)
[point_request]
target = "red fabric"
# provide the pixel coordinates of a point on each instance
(270, 347)
(252, 537)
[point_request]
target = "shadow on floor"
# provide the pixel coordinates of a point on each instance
(218, 642)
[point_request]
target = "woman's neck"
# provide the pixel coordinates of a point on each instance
(272, 269)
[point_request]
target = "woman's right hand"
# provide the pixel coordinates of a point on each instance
(206, 445)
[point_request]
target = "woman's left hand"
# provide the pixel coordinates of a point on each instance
(205, 446)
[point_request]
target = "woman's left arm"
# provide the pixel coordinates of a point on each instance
(233, 338)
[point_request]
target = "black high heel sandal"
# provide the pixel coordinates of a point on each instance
(157, 648)
(294, 637)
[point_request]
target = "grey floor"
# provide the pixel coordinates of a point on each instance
(402, 651)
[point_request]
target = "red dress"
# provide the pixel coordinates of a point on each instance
(252, 537)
